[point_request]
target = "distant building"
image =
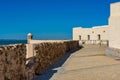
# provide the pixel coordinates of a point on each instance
(110, 33)
(91, 35)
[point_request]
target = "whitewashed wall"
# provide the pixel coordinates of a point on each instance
(114, 26)
(93, 32)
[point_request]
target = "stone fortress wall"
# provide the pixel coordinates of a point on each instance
(114, 26)
(12, 62)
(46, 52)
(49, 52)
(114, 31)
(110, 32)
(23, 61)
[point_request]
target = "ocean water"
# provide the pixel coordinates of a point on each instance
(7, 42)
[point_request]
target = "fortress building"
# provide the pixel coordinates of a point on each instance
(102, 34)
(114, 26)
(91, 35)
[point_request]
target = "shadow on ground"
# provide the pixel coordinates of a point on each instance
(54, 68)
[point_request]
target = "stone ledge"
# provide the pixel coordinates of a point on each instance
(112, 52)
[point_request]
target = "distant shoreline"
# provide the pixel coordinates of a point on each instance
(12, 41)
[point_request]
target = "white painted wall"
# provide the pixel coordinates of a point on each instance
(114, 26)
(93, 32)
(112, 33)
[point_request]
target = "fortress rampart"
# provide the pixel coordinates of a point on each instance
(12, 62)
(23, 61)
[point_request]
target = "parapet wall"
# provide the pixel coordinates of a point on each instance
(12, 62)
(15, 65)
(45, 41)
(49, 52)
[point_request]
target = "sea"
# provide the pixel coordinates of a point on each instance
(7, 42)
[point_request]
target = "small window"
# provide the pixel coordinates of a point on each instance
(92, 31)
(99, 37)
(88, 37)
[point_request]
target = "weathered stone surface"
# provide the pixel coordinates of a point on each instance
(113, 52)
(12, 62)
(13, 59)
(49, 52)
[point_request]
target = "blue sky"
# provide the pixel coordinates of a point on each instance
(50, 19)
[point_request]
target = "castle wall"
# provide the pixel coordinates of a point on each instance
(22, 61)
(114, 26)
(103, 31)
(45, 53)
(12, 62)
(49, 52)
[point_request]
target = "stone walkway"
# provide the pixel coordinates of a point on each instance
(89, 63)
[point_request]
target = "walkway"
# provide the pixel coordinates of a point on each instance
(89, 63)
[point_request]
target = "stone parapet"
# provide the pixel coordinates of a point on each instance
(113, 52)
(12, 62)
(49, 52)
